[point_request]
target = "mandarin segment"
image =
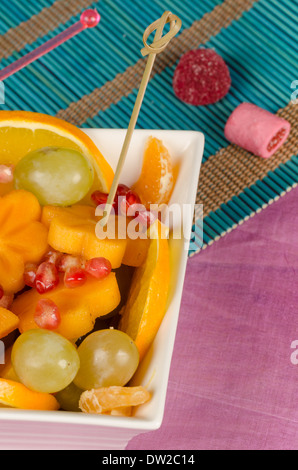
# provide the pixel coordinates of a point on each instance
(107, 400)
(156, 182)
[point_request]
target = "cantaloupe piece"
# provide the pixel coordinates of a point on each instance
(8, 322)
(78, 307)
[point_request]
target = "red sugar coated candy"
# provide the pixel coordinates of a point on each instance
(201, 77)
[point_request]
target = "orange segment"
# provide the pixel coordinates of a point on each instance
(107, 400)
(146, 304)
(22, 132)
(8, 322)
(16, 395)
(156, 181)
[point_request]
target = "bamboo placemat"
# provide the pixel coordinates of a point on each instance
(255, 38)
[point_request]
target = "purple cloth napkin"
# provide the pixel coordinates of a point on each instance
(233, 384)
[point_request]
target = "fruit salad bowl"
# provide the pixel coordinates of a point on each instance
(23, 429)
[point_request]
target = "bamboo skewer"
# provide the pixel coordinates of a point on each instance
(159, 44)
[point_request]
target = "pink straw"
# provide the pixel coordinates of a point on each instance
(89, 19)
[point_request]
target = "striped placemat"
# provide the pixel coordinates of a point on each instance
(93, 79)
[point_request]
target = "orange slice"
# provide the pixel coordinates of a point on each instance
(16, 395)
(156, 181)
(22, 132)
(107, 400)
(147, 299)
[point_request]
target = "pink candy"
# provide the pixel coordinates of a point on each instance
(256, 130)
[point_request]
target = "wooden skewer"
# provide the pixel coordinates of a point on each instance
(159, 44)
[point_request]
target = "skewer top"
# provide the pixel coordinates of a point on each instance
(159, 44)
(90, 18)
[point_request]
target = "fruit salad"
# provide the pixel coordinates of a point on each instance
(78, 312)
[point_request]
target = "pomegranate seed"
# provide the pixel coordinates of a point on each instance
(122, 190)
(52, 257)
(47, 314)
(30, 274)
(75, 277)
(146, 218)
(47, 277)
(98, 267)
(67, 262)
(6, 174)
(1, 292)
(6, 301)
(130, 199)
(99, 198)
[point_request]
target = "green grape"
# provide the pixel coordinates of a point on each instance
(44, 361)
(69, 398)
(108, 357)
(56, 176)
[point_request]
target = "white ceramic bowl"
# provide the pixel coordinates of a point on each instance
(20, 429)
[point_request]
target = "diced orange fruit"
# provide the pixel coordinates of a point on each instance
(156, 182)
(78, 307)
(82, 211)
(16, 395)
(136, 252)
(7, 370)
(136, 249)
(147, 299)
(23, 238)
(8, 322)
(79, 222)
(75, 234)
(22, 132)
(107, 400)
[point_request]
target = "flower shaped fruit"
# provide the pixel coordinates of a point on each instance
(23, 238)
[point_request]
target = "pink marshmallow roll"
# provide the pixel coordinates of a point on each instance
(256, 130)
